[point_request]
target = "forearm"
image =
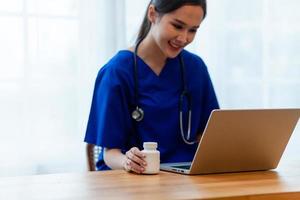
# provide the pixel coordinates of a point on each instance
(114, 158)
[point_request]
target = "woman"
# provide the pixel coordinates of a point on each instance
(140, 92)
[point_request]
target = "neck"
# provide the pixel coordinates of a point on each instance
(152, 54)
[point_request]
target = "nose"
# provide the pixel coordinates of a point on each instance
(183, 37)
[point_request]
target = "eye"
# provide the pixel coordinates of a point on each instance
(193, 30)
(177, 26)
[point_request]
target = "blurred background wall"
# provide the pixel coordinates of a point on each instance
(51, 51)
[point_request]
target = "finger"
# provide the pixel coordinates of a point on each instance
(137, 152)
(135, 167)
(130, 155)
(127, 167)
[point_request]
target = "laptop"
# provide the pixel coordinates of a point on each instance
(240, 140)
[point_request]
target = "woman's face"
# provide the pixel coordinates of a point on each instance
(173, 31)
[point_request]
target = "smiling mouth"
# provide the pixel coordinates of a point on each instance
(175, 47)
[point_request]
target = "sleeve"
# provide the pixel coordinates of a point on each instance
(210, 101)
(109, 122)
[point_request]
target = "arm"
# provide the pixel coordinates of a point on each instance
(133, 160)
(114, 158)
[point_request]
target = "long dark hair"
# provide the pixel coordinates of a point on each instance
(163, 7)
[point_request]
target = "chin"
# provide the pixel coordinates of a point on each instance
(173, 54)
(172, 51)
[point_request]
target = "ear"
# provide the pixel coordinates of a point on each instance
(152, 14)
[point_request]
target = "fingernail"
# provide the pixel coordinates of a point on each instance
(144, 163)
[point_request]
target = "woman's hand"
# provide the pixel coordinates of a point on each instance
(134, 161)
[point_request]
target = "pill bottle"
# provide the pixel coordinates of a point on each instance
(152, 158)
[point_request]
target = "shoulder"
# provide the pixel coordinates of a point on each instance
(193, 62)
(122, 57)
(121, 62)
(192, 58)
(118, 68)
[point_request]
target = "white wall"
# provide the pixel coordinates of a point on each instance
(51, 51)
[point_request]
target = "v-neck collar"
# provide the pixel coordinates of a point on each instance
(145, 70)
(149, 69)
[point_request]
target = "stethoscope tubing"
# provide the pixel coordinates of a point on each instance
(138, 113)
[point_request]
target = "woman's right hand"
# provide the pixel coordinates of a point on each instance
(134, 161)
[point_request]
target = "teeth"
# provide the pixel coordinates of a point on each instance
(175, 46)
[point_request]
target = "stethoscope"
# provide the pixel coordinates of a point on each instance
(138, 113)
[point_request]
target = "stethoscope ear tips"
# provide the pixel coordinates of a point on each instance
(137, 114)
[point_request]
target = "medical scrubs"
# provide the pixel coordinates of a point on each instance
(110, 123)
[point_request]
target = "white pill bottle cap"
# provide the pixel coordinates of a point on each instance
(150, 145)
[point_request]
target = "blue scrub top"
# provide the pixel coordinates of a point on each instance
(110, 124)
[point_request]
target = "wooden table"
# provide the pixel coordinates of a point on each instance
(282, 183)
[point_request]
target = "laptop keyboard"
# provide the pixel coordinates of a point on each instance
(182, 166)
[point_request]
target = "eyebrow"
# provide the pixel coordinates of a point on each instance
(183, 23)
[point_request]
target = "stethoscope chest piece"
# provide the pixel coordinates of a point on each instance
(137, 114)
